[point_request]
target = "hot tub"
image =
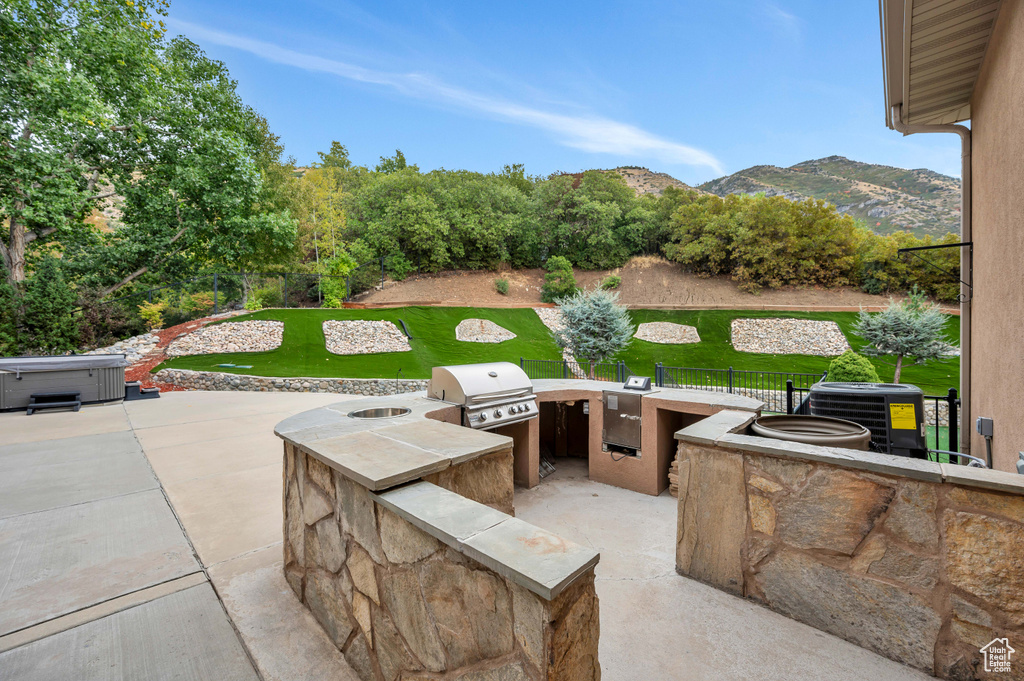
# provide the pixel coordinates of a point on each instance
(99, 378)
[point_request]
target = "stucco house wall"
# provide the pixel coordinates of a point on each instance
(997, 335)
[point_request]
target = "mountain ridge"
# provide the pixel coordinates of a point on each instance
(885, 198)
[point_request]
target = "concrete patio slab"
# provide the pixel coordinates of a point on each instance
(37, 476)
(54, 425)
(285, 642)
(194, 406)
(659, 626)
(177, 463)
(231, 514)
(61, 560)
(206, 430)
(95, 612)
(184, 636)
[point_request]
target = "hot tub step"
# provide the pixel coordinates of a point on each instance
(54, 400)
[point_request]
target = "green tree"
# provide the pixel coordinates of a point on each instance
(77, 100)
(337, 157)
(9, 308)
(560, 281)
(908, 328)
(155, 122)
(49, 318)
(596, 327)
(850, 367)
(392, 164)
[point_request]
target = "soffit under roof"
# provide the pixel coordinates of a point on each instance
(931, 69)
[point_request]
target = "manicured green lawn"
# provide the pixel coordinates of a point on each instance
(303, 351)
(715, 351)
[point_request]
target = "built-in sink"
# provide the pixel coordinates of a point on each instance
(380, 413)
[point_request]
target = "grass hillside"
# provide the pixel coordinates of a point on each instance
(715, 350)
(303, 351)
(887, 199)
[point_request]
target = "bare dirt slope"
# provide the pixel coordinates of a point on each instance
(646, 282)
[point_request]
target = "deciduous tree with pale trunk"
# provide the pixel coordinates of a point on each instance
(95, 102)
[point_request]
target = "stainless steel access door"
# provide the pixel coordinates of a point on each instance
(622, 419)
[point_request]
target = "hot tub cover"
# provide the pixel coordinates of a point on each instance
(61, 363)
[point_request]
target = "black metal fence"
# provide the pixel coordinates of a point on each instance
(597, 371)
(774, 388)
(952, 406)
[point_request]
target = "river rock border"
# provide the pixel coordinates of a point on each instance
(213, 380)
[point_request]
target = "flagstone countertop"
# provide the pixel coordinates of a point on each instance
(382, 453)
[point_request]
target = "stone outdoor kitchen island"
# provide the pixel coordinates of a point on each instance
(399, 539)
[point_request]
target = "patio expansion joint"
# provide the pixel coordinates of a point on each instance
(202, 567)
(83, 503)
(98, 611)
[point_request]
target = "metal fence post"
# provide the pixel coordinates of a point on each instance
(284, 290)
(565, 369)
(954, 420)
(658, 381)
(789, 395)
(216, 307)
(730, 379)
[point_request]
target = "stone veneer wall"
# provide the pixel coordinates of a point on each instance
(214, 380)
(925, 573)
(400, 604)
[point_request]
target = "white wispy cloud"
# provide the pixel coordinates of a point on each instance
(787, 24)
(589, 133)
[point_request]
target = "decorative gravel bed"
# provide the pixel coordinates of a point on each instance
(481, 331)
(133, 349)
(249, 336)
(363, 337)
(667, 332)
(776, 336)
(552, 318)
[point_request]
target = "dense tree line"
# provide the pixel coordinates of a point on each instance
(463, 220)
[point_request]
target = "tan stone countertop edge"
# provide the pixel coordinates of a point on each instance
(533, 558)
(318, 431)
(724, 429)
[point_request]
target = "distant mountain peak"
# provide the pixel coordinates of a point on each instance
(885, 198)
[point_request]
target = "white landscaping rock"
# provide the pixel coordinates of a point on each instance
(133, 349)
(363, 337)
(481, 331)
(248, 336)
(552, 318)
(775, 336)
(667, 333)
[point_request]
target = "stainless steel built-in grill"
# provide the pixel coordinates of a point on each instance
(491, 395)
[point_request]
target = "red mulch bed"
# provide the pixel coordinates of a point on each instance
(140, 371)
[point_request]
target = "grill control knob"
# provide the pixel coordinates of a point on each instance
(526, 407)
(497, 413)
(483, 417)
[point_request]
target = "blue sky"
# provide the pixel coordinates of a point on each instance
(694, 89)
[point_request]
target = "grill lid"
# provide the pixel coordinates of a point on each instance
(468, 384)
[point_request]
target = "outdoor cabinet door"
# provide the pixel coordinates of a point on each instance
(622, 419)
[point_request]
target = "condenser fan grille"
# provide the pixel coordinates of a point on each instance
(867, 410)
